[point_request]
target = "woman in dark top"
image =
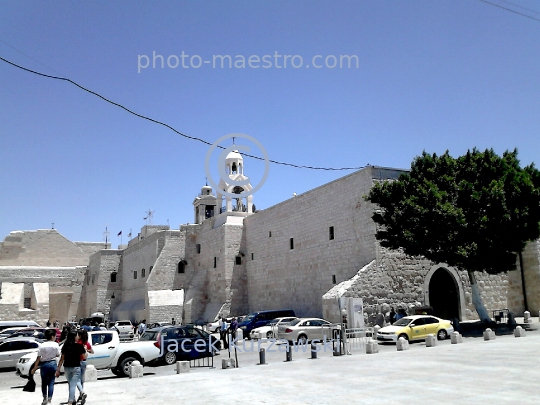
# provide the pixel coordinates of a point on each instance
(72, 353)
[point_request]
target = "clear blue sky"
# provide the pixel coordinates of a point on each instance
(431, 75)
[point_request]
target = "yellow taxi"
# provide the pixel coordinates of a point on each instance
(416, 327)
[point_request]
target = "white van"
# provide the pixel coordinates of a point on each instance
(22, 324)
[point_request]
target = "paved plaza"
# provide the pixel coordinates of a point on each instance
(501, 371)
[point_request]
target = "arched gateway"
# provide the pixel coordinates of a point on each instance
(444, 292)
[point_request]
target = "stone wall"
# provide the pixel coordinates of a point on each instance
(297, 278)
(44, 247)
(398, 280)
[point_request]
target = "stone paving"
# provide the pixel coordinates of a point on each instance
(500, 371)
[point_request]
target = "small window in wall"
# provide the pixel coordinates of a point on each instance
(291, 243)
(215, 262)
(198, 248)
(135, 275)
(331, 233)
(113, 277)
(182, 266)
(334, 279)
(238, 259)
(93, 279)
(269, 234)
(143, 273)
(252, 256)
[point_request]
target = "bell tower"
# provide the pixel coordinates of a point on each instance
(204, 204)
(234, 168)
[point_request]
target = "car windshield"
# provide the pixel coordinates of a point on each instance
(402, 322)
(248, 318)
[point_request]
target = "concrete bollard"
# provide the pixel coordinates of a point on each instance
(135, 370)
(431, 340)
(182, 367)
(376, 331)
(288, 353)
(313, 351)
(519, 332)
(402, 344)
(262, 357)
(372, 347)
(527, 317)
(456, 338)
(90, 374)
(228, 363)
(489, 334)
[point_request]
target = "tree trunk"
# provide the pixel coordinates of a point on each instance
(477, 299)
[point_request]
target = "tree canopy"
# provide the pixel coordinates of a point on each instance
(474, 212)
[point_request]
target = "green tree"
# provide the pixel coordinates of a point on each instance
(475, 212)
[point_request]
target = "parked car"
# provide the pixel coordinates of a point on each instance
(181, 343)
(270, 331)
(21, 324)
(29, 332)
(12, 349)
(9, 331)
(159, 324)
(109, 353)
(304, 330)
(262, 318)
(213, 327)
(416, 327)
(124, 328)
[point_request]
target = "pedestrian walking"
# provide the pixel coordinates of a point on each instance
(392, 315)
(83, 340)
(223, 333)
(72, 352)
(46, 361)
(142, 327)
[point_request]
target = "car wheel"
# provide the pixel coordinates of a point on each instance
(217, 330)
(125, 365)
(404, 336)
(302, 339)
(170, 358)
(441, 335)
(269, 335)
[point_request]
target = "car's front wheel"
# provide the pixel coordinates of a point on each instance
(441, 335)
(302, 339)
(269, 335)
(170, 358)
(404, 336)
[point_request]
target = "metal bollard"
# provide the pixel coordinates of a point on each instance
(262, 357)
(313, 351)
(288, 354)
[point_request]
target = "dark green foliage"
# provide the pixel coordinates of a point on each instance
(474, 212)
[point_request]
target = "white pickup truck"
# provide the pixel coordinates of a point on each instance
(109, 353)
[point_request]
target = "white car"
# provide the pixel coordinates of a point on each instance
(304, 330)
(124, 328)
(270, 331)
(11, 350)
(109, 352)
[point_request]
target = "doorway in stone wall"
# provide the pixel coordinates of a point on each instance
(444, 295)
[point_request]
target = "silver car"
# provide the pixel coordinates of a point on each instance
(270, 331)
(12, 349)
(305, 329)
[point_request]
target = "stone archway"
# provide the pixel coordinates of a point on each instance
(444, 292)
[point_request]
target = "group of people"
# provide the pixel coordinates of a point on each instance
(56, 324)
(225, 329)
(72, 356)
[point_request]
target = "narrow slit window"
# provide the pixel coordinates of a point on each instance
(291, 243)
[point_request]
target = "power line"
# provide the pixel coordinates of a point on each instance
(509, 9)
(518, 6)
(168, 126)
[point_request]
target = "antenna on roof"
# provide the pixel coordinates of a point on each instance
(149, 216)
